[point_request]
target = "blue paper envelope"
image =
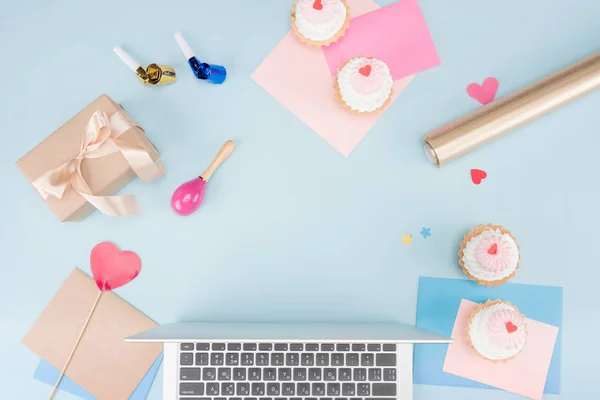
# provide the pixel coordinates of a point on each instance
(48, 374)
(437, 305)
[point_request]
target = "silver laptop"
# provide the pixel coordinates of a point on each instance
(287, 361)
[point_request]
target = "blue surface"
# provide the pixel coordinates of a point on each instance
(437, 306)
(46, 373)
(289, 229)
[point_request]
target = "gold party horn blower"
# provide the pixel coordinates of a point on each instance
(153, 74)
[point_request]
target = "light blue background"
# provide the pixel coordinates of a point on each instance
(291, 230)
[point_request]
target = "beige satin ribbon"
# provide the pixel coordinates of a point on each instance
(100, 139)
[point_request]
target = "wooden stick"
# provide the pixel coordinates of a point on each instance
(87, 321)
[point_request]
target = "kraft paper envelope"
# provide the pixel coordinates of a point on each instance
(104, 365)
(298, 77)
(525, 374)
(396, 34)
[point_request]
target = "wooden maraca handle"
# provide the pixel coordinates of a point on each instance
(221, 156)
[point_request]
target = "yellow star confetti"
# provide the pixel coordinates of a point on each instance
(407, 239)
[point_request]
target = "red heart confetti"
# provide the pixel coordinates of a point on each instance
(493, 250)
(113, 268)
(318, 5)
(366, 70)
(483, 93)
(510, 327)
(477, 175)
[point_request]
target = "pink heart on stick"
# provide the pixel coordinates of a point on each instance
(485, 93)
(113, 268)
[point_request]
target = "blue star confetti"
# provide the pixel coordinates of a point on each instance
(425, 232)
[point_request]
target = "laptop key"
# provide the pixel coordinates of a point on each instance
(329, 374)
(247, 358)
(373, 347)
(258, 389)
(327, 347)
(345, 374)
(389, 347)
(186, 359)
(281, 347)
(337, 360)
(217, 359)
(363, 389)
(265, 346)
(224, 374)
(262, 359)
(218, 346)
(367, 359)
(385, 359)
(299, 374)
(360, 374)
(292, 359)
(342, 347)
(212, 389)
(311, 347)
(209, 374)
(277, 359)
(227, 389)
(239, 374)
(384, 389)
(358, 347)
(303, 389)
(389, 374)
(296, 347)
(242, 389)
(314, 374)
(254, 374)
(352, 359)
(273, 388)
(249, 346)
(318, 389)
(187, 346)
(322, 359)
(191, 389)
(348, 389)
(189, 374)
(288, 388)
(285, 374)
(232, 359)
(202, 346)
(307, 359)
(270, 374)
(234, 346)
(333, 389)
(201, 358)
(374, 374)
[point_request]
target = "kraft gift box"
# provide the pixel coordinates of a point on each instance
(104, 175)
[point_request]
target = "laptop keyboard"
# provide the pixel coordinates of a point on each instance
(287, 371)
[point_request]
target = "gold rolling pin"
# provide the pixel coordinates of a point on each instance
(493, 120)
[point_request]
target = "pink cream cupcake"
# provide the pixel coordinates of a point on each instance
(320, 22)
(364, 85)
(489, 255)
(496, 330)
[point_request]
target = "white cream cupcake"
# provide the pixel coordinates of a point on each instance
(489, 255)
(364, 85)
(496, 330)
(320, 22)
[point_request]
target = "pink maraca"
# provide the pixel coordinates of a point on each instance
(188, 197)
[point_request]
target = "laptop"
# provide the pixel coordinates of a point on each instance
(287, 361)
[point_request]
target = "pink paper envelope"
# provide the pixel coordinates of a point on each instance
(395, 34)
(524, 375)
(298, 77)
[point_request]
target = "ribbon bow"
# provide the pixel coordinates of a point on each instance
(101, 138)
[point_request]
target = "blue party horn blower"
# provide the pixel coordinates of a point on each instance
(208, 72)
